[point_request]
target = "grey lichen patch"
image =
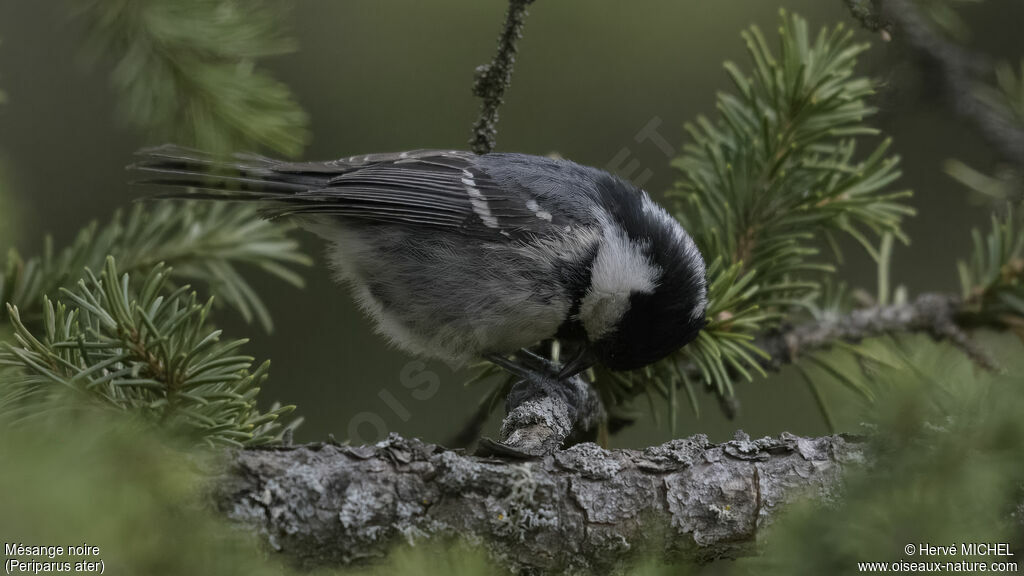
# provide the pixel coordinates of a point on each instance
(590, 460)
(811, 470)
(679, 451)
(614, 500)
(713, 501)
(545, 414)
(287, 513)
(519, 522)
(455, 472)
(743, 448)
(362, 504)
(527, 508)
(538, 426)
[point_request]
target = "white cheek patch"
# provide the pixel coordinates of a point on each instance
(620, 269)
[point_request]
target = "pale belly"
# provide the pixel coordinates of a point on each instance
(447, 301)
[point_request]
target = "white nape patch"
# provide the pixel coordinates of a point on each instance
(477, 200)
(652, 208)
(620, 269)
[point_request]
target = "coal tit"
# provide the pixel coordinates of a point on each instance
(460, 257)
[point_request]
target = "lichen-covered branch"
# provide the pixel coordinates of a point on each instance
(584, 508)
(544, 415)
(940, 315)
(491, 80)
(869, 14)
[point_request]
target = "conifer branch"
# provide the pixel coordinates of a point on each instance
(203, 241)
(134, 346)
(776, 175)
(186, 71)
(493, 79)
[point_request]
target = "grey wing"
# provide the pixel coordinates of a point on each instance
(451, 190)
(444, 189)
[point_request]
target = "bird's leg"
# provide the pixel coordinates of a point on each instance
(528, 366)
(528, 363)
(536, 361)
(543, 411)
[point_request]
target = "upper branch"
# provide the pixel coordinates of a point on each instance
(869, 13)
(960, 69)
(944, 317)
(494, 78)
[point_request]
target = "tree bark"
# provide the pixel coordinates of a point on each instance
(581, 509)
(943, 316)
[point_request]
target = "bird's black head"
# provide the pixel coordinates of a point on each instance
(647, 293)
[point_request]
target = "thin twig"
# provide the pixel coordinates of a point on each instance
(491, 80)
(869, 14)
(940, 315)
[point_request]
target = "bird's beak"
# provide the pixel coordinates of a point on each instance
(583, 358)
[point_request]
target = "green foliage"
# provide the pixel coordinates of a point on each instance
(185, 70)
(141, 349)
(991, 281)
(761, 188)
(778, 171)
(946, 443)
(203, 241)
(110, 483)
(945, 15)
(1005, 186)
(1006, 100)
(1008, 93)
(992, 278)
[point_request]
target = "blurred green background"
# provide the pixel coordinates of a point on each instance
(396, 74)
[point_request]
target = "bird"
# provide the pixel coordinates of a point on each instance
(462, 257)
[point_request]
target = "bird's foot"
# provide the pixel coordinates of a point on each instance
(543, 411)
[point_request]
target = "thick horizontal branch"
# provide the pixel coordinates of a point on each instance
(584, 508)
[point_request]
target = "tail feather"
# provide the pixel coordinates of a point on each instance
(240, 177)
